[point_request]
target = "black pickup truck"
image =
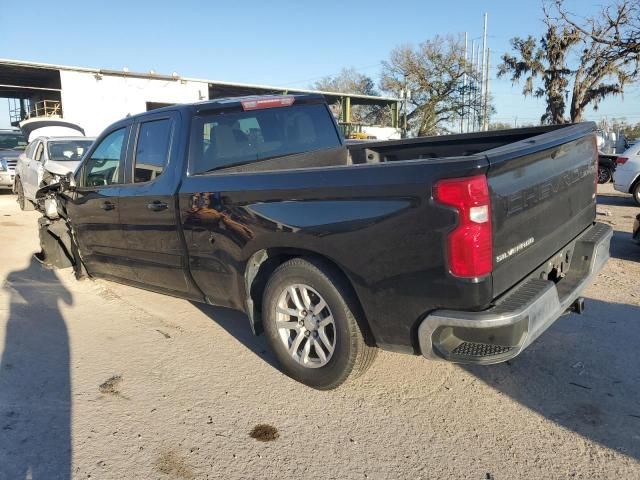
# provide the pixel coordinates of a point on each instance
(461, 247)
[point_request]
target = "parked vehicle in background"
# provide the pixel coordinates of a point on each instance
(458, 247)
(626, 178)
(50, 127)
(12, 143)
(44, 161)
(606, 167)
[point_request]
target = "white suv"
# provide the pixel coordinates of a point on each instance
(626, 178)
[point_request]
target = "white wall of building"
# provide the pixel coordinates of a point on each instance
(95, 103)
(383, 133)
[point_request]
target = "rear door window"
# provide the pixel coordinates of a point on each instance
(39, 152)
(30, 150)
(225, 139)
(152, 150)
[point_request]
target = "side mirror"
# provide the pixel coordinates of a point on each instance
(68, 182)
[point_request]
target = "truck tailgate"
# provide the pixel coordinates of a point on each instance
(542, 196)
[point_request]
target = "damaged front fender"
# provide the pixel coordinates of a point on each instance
(55, 243)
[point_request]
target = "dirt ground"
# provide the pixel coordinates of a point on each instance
(103, 381)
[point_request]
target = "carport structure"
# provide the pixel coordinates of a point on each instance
(94, 97)
(30, 90)
(346, 100)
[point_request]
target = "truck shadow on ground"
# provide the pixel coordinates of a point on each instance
(237, 324)
(583, 374)
(619, 200)
(35, 390)
(623, 247)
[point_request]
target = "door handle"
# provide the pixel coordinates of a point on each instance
(107, 206)
(157, 206)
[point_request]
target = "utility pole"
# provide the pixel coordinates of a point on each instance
(464, 84)
(471, 121)
(483, 114)
(485, 107)
(477, 91)
(405, 94)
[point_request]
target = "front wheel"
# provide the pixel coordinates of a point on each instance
(23, 203)
(604, 175)
(313, 325)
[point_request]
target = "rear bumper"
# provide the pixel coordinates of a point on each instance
(623, 178)
(520, 315)
(621, 188)
(6, 179)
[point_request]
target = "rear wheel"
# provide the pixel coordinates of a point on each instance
(604, 174)
(309, 315)
(23, 203)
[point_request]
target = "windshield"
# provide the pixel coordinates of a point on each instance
(68, 150)
(12, 140)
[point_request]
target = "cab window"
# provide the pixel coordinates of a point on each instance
(103, 166)
(224, 140)
(152, 150)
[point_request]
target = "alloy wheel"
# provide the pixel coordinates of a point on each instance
(306, 325)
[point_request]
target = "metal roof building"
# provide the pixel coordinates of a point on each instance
(94, 97)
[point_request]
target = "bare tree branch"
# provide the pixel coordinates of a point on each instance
(607, 51)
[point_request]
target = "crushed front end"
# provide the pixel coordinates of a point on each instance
(57, 242)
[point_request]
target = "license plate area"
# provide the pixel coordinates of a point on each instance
(557, 267)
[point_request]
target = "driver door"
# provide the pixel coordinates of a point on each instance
(94, 206)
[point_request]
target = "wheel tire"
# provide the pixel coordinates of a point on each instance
(635, 191)
(352, 353)
(604, 175)
(25, 205)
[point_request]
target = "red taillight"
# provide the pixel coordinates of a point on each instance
(621, 160)
(469, 245)
(269, 102)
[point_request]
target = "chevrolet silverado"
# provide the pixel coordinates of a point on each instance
(462, 248)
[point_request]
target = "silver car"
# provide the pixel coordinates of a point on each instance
(44, 161)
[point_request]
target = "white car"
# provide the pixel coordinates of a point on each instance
(44, 161)
(626, 178)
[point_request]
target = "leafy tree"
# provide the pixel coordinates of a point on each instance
(631, 131)
(604, 60)
(349, 80)
(434, 72)
(544, 59)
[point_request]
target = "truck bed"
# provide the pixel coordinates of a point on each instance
(457, 145)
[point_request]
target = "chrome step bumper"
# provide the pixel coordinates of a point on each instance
(520, 315)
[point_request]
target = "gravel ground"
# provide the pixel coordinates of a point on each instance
(103, 381)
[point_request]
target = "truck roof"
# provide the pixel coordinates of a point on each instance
(233, 102)
(66, 138)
